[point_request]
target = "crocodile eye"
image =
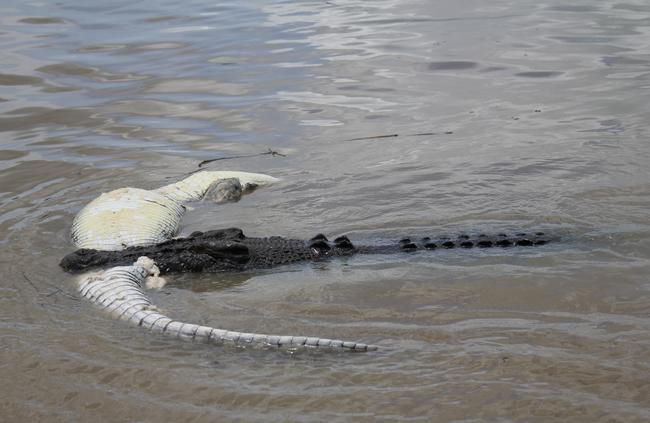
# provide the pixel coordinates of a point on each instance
(409, 246)
(343, 242)
(320, 246)
(319, 237)
(345, 245)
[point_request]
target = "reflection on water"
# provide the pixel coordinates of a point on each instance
(502, 116)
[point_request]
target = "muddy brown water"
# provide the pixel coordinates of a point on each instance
(536, 118)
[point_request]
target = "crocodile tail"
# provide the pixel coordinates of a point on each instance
(477, 241)
(118, 290)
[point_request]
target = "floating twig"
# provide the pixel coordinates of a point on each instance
(266, 153)
(29, 281)
(373, 137)
(397, 135)
(56, 291)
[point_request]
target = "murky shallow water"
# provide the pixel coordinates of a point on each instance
(539, 114)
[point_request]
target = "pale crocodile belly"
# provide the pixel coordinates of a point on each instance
(126, 217)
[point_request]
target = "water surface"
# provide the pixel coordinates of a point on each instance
(512, 115)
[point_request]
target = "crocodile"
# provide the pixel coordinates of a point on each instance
(132, 231)
(229, 250)
(131, 218)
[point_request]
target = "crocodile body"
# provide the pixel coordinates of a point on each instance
(229, 250)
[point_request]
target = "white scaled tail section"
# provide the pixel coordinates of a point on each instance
(118, 290)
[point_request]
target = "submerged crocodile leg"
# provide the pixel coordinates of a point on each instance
(118, 290)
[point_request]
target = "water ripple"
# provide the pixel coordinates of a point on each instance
(395, 118)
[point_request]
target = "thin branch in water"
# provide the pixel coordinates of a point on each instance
(266, 153)
(373, 137)
(204, 162)
(29, 281)
(397, 135)
(56, 291)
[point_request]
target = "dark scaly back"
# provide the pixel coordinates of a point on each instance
(276, 250)
(501, 240)
(229, 250)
